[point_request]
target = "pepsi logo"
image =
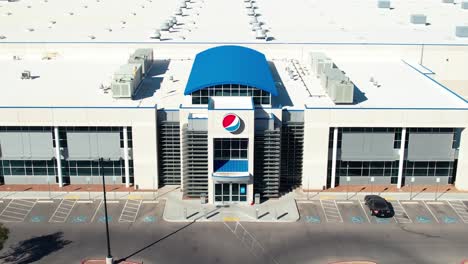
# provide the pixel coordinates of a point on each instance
(231, 122)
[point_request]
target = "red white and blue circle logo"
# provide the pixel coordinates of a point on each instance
(231, 122)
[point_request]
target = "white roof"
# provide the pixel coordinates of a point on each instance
(337, 21)
(398, 86)
(76, 82)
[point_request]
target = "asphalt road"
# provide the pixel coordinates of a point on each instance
(300, 242)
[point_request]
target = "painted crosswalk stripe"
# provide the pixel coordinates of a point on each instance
(63, 211)
(460, 209)
(401, 216)
(17, 210)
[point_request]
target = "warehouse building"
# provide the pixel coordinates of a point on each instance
(229, 123)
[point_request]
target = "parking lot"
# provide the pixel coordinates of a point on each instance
(405, 212)
(73, 211)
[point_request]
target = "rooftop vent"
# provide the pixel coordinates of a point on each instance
(461, 31)
(2, 37)
(383, 4)
(26, 75)
(156, 34)
(418, 19)
(165, 26)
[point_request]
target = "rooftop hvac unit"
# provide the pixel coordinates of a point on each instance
(126, 80)
(331, 76)
(25, 75)
(144, 57)
(165, 26)
(319, 61)
(383, 4)
(342, 92)
(447, 1)
(418, 19)
(260, 34)
(464, 5)
(461, 31)
(156, 34)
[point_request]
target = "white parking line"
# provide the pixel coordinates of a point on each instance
(365, 212)
(17, 210)
(97, 210)
(63, 211)
(331, 211)
(400, 213)
(430, 211)
(460, 209)
(130, 211)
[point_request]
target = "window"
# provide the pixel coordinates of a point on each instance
(260, 97)
(230, 148)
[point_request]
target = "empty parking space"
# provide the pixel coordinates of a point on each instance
(130, 211)
(331, 211)
(114, 209)
(148, 213)
(351, 212)
(418, 212)
(42, 211)
(312, 212)
(401, 215)
(17, 210)
(63, 211)
(443, 212)
(461, 209)
(83, 211)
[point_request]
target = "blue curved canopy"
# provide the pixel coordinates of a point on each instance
(230, 65)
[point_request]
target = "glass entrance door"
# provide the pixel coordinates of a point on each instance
(230, 192)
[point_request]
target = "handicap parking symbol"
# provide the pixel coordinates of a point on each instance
(382, 220)
(102, 219)
(357, 220)
(149, 219)
(312, 219)
(423, 219)
(449, 220)
(79, 219)
(37, 219)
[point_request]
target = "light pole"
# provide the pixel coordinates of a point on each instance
(347, 187)
(411, 188)
(437, 188)
(109, 259)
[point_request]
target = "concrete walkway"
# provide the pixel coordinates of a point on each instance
(278, 210)
(321, 195)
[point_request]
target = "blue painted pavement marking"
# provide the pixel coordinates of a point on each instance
(357, 219)
(102, 219)
(450, 220)
(423, 219)
(312, 219)
(149, 219)
(37, 219)
(382, 220)
(79, 219)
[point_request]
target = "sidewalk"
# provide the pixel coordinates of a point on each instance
(79, 192)
(354, 192)
(283, 209)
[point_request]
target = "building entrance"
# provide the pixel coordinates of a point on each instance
(230, 192)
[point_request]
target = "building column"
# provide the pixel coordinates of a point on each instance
(126, 162)
(334, 154)
(402, 158)
(461, 180)
(58, 157)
